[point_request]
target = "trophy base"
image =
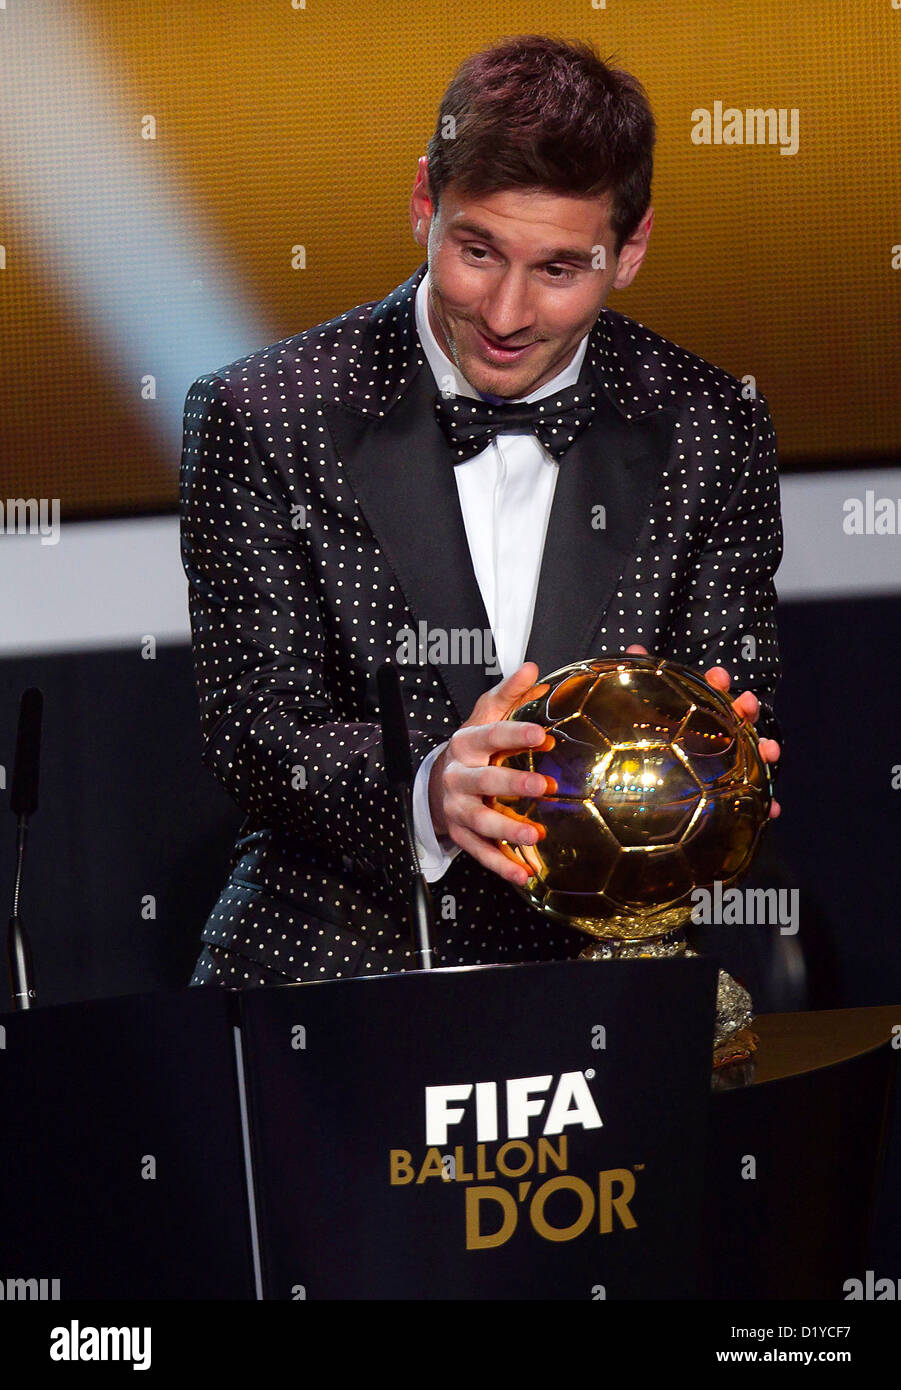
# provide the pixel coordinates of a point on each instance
(733, 1041)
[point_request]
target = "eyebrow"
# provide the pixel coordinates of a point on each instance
(546, 254)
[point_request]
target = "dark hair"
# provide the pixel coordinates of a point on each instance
(537, 112)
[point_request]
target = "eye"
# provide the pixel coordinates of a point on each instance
(565, 272)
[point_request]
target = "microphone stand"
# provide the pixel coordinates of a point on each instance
(23, 802)
(399, 772)
(21, 971)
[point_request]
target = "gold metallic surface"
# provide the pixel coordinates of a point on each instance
(659, 790)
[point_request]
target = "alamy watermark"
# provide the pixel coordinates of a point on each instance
(31, 516)
(741, 907)
(729, 125)
(455, 646)
(79, 1342)
(41, 1290)
(871, 1289)
(871, 515)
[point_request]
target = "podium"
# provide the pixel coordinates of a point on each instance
(815, 1117)
(547, 1130)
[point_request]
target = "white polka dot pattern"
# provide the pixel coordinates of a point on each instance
(294, 605)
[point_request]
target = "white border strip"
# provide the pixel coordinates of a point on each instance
(821, 561)
(112, 584)
(106, 584)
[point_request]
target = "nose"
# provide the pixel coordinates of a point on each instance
(507, 311)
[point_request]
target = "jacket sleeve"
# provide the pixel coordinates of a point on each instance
(264, 659)
(725, 613)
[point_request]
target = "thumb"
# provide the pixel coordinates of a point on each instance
(496, 703)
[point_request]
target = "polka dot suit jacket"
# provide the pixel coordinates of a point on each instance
(320, 518)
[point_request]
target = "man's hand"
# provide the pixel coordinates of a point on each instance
(747, 706)
(462, 776)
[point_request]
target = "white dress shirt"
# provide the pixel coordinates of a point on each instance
(505, 494)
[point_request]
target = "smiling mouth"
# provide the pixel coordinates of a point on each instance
(501, 352)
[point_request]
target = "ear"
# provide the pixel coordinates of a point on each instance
(633, 252)
(421, 206)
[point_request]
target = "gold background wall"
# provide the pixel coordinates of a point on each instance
(278, 126)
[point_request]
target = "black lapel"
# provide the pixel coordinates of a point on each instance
(401, 469)
(605, 489)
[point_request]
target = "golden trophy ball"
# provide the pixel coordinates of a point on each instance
(658, 790)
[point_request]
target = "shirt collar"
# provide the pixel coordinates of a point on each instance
(448, 377)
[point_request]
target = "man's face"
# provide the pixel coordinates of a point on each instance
(518, 278)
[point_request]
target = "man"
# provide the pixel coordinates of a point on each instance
(371, 478)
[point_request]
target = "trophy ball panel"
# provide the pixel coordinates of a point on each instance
(722, 840)
(578, 851)
(648, 797)
(577, 760)
(568, 696)
(650, 878)
(705, 735)
(627, 706)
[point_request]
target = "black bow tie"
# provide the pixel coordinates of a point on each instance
(470, 425)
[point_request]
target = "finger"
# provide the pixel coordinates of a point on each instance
(509, 783)
(497, 780)
(490, 708)
(501, 698)
(499, 825)
(499, 758)
(718, 677)
(747, 706)
(637, 650)
(769, 750)
(775, 810)
(490, 856)
(475, 745)
(509, 691)
(526, 674)
(534, 692)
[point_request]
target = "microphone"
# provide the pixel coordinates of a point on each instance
(399, 775)
(23, 801)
